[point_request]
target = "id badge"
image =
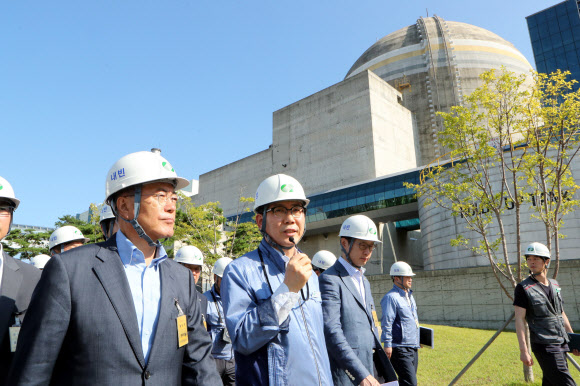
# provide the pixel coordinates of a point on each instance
(182, 337)
(13, 331)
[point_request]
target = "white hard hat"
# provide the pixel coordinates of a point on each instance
(189, 255)
(323, 259)
(359, 227)
(106, 213)
(138, 168)
(400, 268)
(220, 266)
(65, 234)
(279, 187)
(7, 193)
(537, 249)
(39, 261)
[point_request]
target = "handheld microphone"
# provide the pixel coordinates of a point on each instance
(291, 238)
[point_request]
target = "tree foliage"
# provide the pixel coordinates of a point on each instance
(27, 242)
(510, 144)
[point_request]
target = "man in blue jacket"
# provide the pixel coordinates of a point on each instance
(400, 324)
(222, 350)
(271, 299)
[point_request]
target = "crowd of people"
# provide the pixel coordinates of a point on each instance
(121, 312)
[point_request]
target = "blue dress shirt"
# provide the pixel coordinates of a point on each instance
(145, 284)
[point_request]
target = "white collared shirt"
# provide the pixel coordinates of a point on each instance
(357, 276)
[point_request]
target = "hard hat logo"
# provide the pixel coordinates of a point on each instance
(372, 231)
(287, 188)
(1, 187)
(167, 166)
(530, 249)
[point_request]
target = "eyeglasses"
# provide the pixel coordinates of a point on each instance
(365, 247)
(163, 197)
(281, 212)
(6, 210)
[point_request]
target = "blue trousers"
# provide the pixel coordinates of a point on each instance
(405, 361)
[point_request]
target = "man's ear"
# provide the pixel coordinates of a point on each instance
(344, 242)
(124, 206)
(259, 219)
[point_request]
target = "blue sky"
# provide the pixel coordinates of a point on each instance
(83, 83)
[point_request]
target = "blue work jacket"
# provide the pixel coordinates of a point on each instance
(216, 325)
(293, 353)
(399, 321)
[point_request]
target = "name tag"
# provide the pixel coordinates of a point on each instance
(182, 337)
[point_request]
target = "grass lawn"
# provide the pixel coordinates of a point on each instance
(499, 365)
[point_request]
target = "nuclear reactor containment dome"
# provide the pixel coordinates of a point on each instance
(434, 63)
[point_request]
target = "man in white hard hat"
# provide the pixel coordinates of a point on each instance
(356, 355)
(120, 312)
(271, 299)
(39, 261)
(192, 258)
(538, 300)
(65, 238)
(400, 324)
(108, 222)
(17, 281)
(222, 351)
(322, 260)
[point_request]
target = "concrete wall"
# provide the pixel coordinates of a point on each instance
(224, 184)
(471, 297)
(351, 132)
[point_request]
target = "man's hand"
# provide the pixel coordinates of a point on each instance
(370, 381)
(298, 272)
(526, 358)
(389, 351)
(576, 352)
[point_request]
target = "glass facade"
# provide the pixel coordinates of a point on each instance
(555, 36)
(377, 194)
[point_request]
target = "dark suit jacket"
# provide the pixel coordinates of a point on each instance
(82, 329)
(349, 329)
(18, 282)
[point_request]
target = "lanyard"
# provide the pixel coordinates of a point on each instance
(217, 306)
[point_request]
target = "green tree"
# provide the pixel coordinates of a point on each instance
(511, 143)
(245, 238)
(27, 242)
(91, 230)
(554, 141)
(201, 226)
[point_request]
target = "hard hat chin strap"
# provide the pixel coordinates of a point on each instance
(347, 254)
(138, 228)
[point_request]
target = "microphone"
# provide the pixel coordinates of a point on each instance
(291, 238)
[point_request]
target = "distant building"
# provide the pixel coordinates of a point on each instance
(555, 36)
(34, 228)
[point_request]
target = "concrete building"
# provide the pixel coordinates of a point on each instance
(555, 36)
(355, 144)
(434, 63)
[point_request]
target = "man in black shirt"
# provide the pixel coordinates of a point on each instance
(537, 300)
